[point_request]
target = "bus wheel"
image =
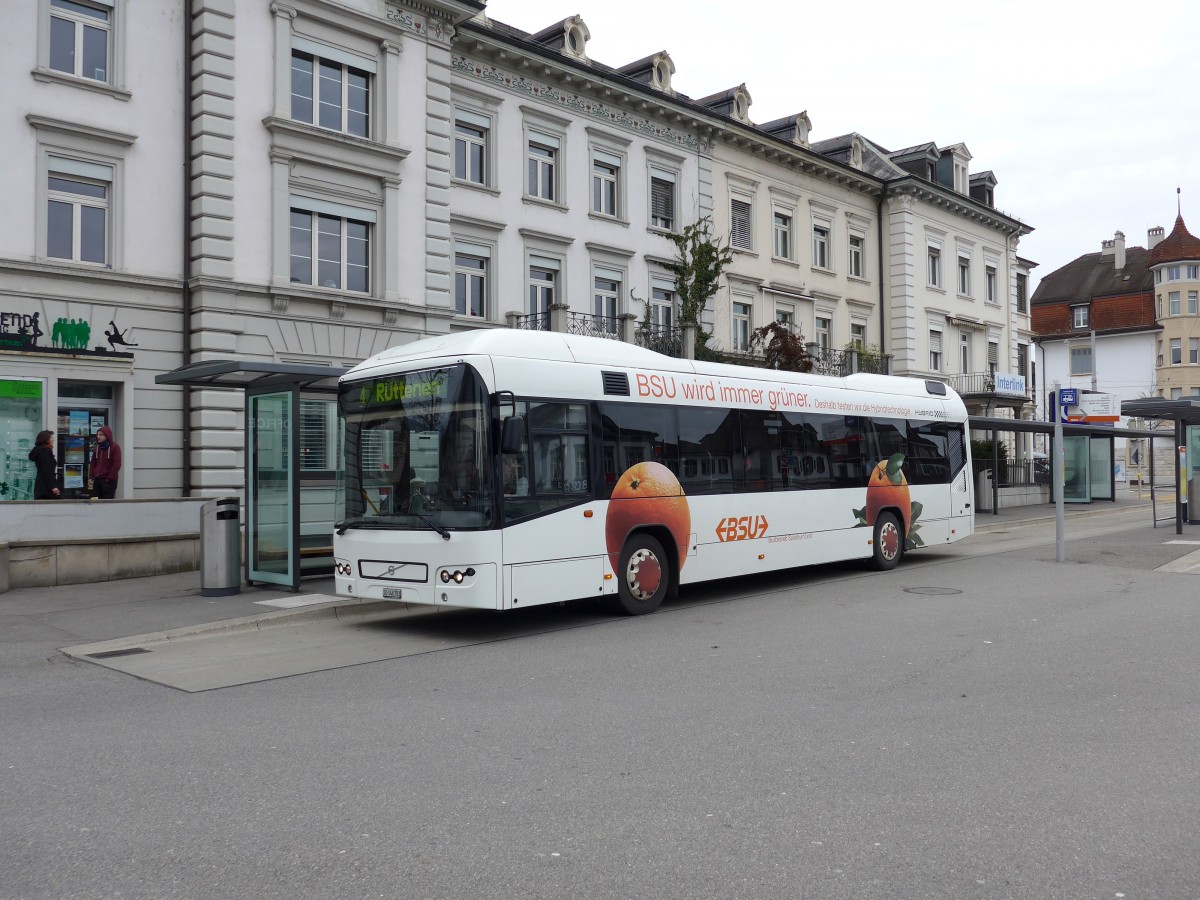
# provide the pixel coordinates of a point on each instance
(888, 545)
(645, 575)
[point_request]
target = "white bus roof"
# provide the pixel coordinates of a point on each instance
(558, 347)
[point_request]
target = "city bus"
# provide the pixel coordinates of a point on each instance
(502, 468)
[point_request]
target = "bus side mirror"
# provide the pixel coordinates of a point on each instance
(512, 436)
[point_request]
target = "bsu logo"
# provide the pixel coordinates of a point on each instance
(741, 528)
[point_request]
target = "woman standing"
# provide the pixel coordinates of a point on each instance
(45, 485)
(106, 464)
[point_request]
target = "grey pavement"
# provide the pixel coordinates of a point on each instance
(982, 723)
(104, 611)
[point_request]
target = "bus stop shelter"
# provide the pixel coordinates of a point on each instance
(1083, 436)
(290, 418)
(1184, 413)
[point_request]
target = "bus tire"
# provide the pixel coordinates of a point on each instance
(888, 545)
(644, 577)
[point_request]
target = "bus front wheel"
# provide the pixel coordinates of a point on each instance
(888, 545)
(645, 575)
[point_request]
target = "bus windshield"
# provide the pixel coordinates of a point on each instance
(417, 451)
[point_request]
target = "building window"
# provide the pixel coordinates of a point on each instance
(330, 94)
(856, 255)
(1158, 305)
(964, 276)
(1081, 360)
(470, 285)
(989, 278)
(662, 308)
(542, 282)
(858, 335)
(1176, 351)
(662, 200)
(1158, 276)
(80, 39)
(783, 235)
(993, 360)
(824, 332)
(935, 351)
(339, 246)
(1172, 273)
(820, 247)
(605, 302)
(1022, 292)
(542, 158)
(1022, 359)
(1176, 393)
(77, 211)
(786, 316)
(964, 352)
(1194, 350)
(606, 183)
(1079, 317)
(1193, 273)
(1159, 357)
(471, 147)
(1191, 303)
(1173, 302)
(935, 268)
(741, 327)
(740, 222)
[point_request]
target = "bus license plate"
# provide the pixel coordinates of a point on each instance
(393, 594)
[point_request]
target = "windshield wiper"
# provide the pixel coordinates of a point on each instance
(445, 533)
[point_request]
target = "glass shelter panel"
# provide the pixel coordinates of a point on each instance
(270, 501)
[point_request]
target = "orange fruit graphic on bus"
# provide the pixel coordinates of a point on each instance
(887, 487)
(647, 493)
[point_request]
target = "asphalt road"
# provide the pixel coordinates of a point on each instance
(983, 722)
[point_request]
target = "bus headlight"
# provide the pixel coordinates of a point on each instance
(458, 576)
(342, 568)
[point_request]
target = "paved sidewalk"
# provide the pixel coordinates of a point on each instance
(101, 611)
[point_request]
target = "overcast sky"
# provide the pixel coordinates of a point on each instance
(1086, 112)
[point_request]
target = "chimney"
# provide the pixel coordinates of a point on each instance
(1119, 249)
(1154, 237)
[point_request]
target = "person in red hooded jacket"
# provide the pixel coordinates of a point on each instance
(106, 464)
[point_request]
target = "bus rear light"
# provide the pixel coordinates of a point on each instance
(587, 513)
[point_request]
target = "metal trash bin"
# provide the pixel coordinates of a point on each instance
(983, 490)
(1193, 500)
(220, 548)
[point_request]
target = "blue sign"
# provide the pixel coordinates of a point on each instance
(1069, 396)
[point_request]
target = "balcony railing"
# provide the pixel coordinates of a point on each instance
(594, 326)
(840, 363)
(532, 322)
(661, 339)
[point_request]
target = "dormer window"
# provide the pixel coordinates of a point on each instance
(1079, 317)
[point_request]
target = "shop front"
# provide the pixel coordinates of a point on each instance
(63, 383)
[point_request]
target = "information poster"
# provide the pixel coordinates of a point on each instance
(73, 460)
(78, 423)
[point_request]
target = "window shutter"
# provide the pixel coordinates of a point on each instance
(662, 197)
(935, 341)
(993, 353)
(739, 215)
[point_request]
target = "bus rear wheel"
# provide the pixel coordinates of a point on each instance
(888, 545)
(644, 577)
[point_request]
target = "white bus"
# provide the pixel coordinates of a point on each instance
(501, 469)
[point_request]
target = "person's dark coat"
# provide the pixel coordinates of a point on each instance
(47, 478)
(106, 464)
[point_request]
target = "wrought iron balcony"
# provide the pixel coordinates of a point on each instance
(532, 322)
(840, 363)
(661, 339)
(593, 325)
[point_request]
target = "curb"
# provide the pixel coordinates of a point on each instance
(341, 609)
(1000, 524)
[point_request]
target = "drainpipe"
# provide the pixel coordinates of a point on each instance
(186, 432)
(882, 274)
